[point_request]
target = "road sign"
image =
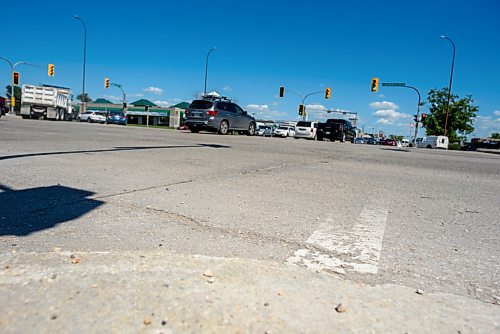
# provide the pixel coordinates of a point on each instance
(393, 84)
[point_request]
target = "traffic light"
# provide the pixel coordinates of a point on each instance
(50, 70)
(328, 93)
(124, 105)
(374, 86)
(15, 78)
(424, 119)
(302, 110)
(415, 118)
(146, 108)
(106, 83)
(282, 91)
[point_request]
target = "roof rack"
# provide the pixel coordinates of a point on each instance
(216, 98)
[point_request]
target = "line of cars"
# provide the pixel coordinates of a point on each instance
(96, 116)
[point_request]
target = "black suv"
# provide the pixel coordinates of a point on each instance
(218, 114)
(336, 129)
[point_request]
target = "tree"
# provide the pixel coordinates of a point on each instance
(17, 96)
(495, 135)
(460, 116)
(87, 98)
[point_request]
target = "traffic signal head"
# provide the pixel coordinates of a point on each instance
(50, 70)
(424, 119)
(302, 110)
(374, 85)
(282, 91)
(415, 118)
(328, 93)
(106, 83)
(15, 78)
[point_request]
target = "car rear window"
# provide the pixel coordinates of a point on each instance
(302, 123)
(201, 104)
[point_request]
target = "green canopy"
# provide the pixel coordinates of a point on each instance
(143, 103)
(102, 101)
(182, 105)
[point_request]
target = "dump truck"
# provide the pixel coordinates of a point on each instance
(46, 102)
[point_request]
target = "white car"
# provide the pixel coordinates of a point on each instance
(284, 131)
(305, 129)
(92, 116)
(263, 131)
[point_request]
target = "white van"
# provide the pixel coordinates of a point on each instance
(434, 142)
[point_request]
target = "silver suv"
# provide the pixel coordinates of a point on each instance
(219, 115)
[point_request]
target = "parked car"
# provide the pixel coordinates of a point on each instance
(218, 114)
(372, 141)
(117, 117)
(336, 129)
(92, 116)
(305, 129)
(434, 142)
(264, 131)
(390, 142)
(359, 141)
(284, 131)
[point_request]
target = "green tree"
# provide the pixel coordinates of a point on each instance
(460, 116)
(495, 135)
(87, 98)
(17, 96)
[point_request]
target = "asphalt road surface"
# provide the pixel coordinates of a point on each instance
(421, 218)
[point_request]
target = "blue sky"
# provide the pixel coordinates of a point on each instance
(157, 50)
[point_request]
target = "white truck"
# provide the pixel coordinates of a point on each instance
(48, 102)
(434, 142)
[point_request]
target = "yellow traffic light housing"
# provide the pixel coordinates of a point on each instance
(106, 83)
(15, 78)
(328, 93)
(282, 91)
(374, 86)
(50, 70)
(302, 110)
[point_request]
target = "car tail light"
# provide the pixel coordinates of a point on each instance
(212, 113)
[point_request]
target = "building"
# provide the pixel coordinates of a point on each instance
(143, 112)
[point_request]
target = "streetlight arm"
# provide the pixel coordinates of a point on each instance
(10, 63)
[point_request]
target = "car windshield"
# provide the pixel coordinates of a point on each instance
(117, 114)
(201, 104)
(283, 128)
(303, 123)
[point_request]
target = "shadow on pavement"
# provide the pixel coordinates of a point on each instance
(395, 149)
(116, 149)
(30, 210)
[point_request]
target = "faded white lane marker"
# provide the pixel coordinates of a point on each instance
(340, 251)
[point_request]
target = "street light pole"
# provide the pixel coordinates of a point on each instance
(206, 70)
(303, 100)
(84, 100)
(449, 88)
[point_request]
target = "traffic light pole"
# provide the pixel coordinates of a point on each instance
(304, 118)
(402, 84)
(123, 93)
(13, 67)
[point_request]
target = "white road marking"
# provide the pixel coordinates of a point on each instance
(339, 251)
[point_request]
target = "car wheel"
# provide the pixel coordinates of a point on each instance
(429, 146)
(194, 130)
(89, 120)
(251, 129)
(223, 127)
(320, 138)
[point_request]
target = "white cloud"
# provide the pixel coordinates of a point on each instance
(227, 89)
(258, 107)
(113, 98)
(389, 113)
(175, 100)
(162, 103)
(384, 105)
(384, 121)
(496, 113)
(315, 107)
(154, 90)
